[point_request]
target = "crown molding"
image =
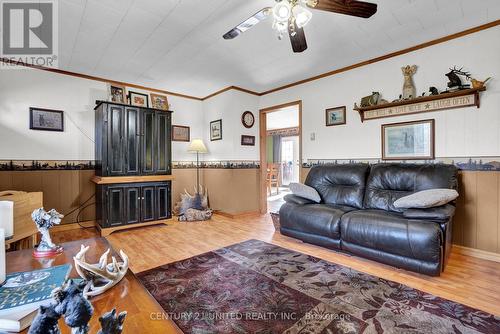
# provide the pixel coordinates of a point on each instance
(364, 63)
(230, 88)
(95, 78)
(293, 84)
(387, 56)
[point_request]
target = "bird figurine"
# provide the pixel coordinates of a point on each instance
(476, 84)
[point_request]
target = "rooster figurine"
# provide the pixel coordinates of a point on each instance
(476, 84)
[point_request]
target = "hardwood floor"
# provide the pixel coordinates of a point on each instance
(467, 280)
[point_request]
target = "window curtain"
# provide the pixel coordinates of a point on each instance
(277, 149)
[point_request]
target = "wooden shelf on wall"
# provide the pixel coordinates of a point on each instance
(459, 99)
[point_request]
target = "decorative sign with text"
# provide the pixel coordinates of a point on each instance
(423, 106)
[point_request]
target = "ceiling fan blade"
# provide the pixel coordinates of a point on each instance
(347, 7)
(248, 23)
(297, 37)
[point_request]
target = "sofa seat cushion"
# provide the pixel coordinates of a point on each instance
(392, 233)
(318, 219)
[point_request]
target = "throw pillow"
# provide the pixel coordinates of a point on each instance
(304, 191)
(426, 199)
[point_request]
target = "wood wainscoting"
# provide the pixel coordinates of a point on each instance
(477, 220)
(236, 191)
(64, 190)
(232, 191)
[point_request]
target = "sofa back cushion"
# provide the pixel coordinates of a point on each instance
(389, 182)
(340, 184)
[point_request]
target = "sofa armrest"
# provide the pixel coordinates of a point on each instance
(294, 199)
(441, 213)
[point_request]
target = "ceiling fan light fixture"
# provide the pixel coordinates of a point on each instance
(302, 16)
(282, 11)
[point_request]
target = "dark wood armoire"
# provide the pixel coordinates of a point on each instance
(133, 150)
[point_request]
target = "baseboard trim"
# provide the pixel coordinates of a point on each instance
(74, 226)
(478, 253)
(105, 231)
(237, 215)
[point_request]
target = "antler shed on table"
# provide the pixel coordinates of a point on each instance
(101, 276)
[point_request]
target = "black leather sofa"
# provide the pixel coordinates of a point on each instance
(357, 214)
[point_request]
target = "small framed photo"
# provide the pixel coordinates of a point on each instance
(138, 99)
(408, 140)
(159, 101)
(181, 133)
(46, 119)
(216, 130)
(247, 140)
(117, 93)
(335, 116)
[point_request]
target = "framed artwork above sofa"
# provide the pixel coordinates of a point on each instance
(408, 140)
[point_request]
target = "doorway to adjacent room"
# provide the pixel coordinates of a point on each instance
(280, 133)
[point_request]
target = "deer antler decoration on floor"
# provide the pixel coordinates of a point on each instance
(100, 276)
(193, 207)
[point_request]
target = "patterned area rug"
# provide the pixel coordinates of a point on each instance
(255, 287)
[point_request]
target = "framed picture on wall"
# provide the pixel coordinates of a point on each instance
(216, 130)
(159, 101)
(117, 93)
(335, 116)
(247, 140)
(181, 133)
(408, 140)
(46, 119)
(138, 99)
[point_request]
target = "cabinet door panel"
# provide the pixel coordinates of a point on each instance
(115, 140)
(163, 156)
(115, 206)
(132, 137)
(163, 202)
(148, 144)
(148, 204)
(133, 203)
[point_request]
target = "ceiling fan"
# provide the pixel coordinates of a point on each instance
(293, 15)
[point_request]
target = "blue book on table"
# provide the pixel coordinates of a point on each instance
(31, 288)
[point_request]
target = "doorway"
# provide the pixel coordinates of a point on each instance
(280, 152)
(289, 160)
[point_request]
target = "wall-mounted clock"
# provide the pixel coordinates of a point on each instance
(248, 119)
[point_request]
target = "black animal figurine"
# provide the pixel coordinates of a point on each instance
(45, 321)
(433, 91)
(112, 324)
(454, 77)
(77, 310)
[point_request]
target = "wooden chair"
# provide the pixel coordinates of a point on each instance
(273, 178)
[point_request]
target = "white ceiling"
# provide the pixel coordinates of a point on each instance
(177, 45)
(283, 118)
